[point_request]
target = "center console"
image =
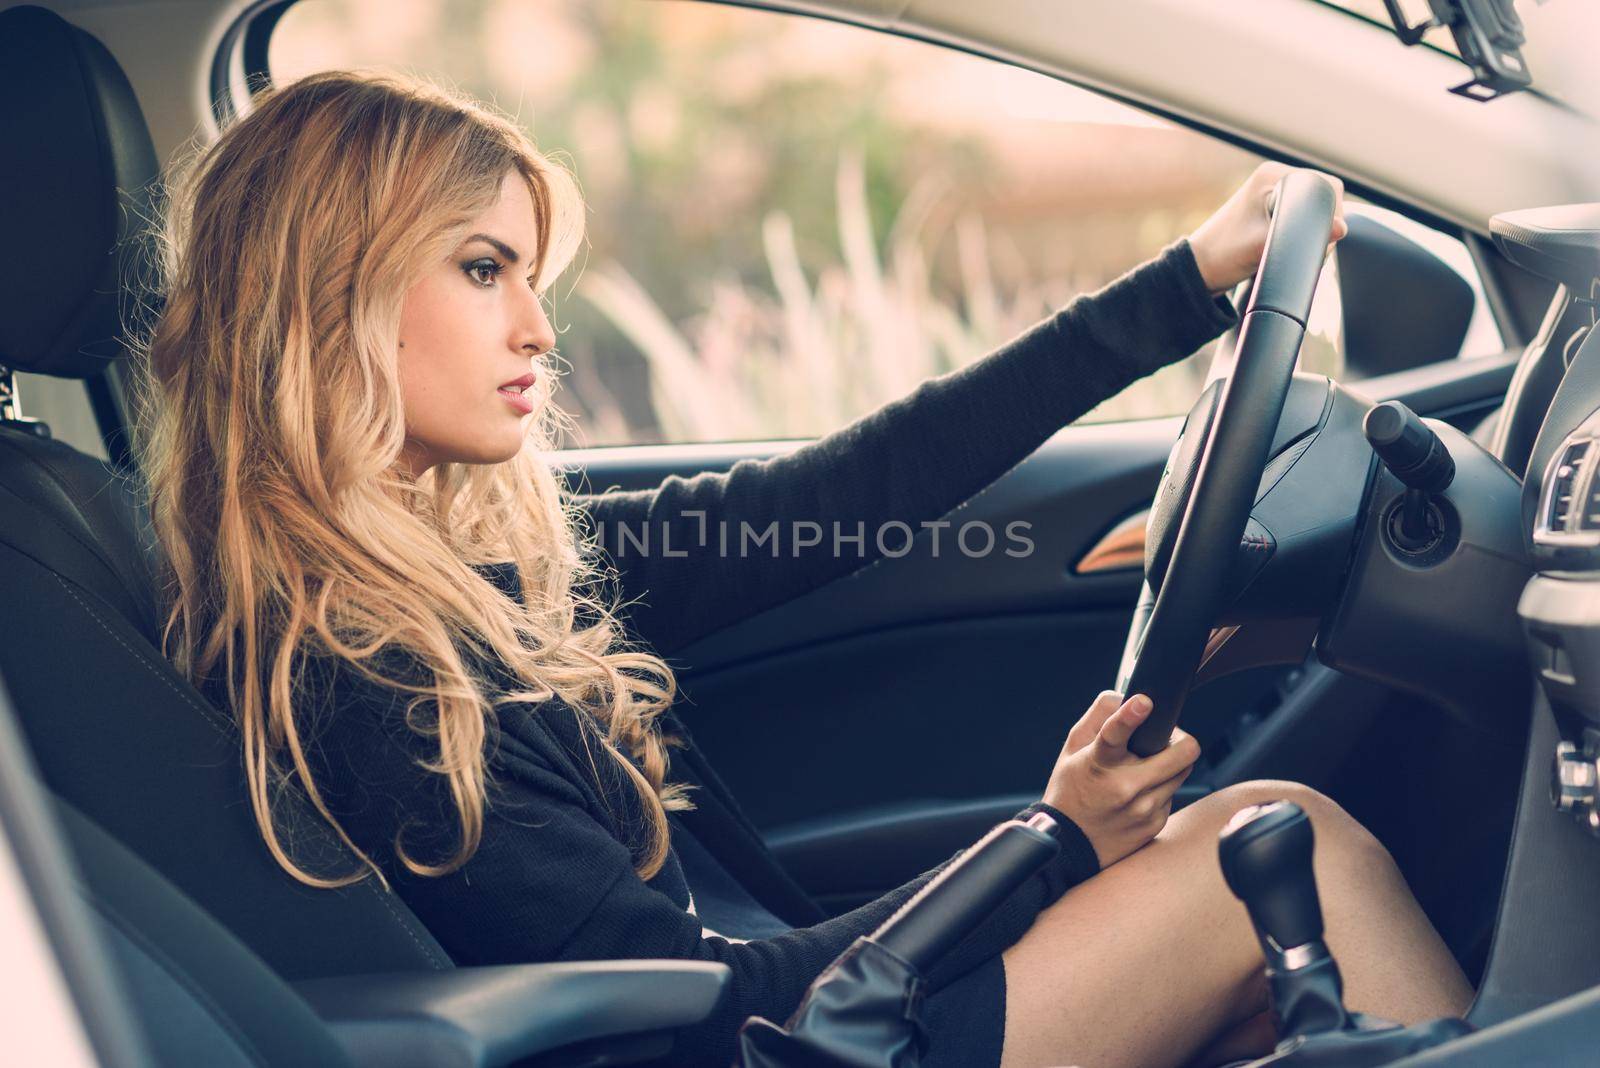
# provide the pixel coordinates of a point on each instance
(1543, 972)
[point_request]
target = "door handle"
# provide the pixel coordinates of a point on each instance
(1121, 548)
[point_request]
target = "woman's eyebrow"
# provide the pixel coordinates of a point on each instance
(500, 246)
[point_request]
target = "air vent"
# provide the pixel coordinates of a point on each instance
(1590, 519)
(1563, 483)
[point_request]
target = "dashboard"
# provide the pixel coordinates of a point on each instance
(1546, 950)
(1560, 606)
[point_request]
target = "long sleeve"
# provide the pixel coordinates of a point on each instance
(695, 555)
(553, 878)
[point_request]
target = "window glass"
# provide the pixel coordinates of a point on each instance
(1323, 351)
(62, 404)
(793, 221)
(1483, 333)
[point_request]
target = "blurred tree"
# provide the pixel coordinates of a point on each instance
(759, 185)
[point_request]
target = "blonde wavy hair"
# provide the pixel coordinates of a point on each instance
(269, 429)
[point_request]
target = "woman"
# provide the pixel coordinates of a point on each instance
(370, 560)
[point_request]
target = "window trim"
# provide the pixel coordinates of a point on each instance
(243, 50)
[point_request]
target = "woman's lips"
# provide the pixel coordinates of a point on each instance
(512, 391)
(516, 399)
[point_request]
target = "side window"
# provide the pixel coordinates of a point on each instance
(793, 221)
(1326, 349)
(62, 404)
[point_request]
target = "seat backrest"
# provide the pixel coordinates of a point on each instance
(115, 730)
(200, 996)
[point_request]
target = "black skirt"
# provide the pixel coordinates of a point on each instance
(966, 1019)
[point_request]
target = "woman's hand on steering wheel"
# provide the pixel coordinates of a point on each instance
(1227, 247)
(1120, 801)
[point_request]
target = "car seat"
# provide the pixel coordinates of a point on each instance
(146, 771)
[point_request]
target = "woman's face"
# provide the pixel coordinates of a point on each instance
(468, 331)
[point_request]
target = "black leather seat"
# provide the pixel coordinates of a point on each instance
(198, 995)
(115, 731)
(146, 776)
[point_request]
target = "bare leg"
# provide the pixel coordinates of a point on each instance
(1253, 1038)
(1153, 959)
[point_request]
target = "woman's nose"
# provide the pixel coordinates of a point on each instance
(536, 335)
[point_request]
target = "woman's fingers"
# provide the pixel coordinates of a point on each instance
(1111, 743)
(1154, 804)
(1270, 174)
(1179, 755)
(1340, 227)
(1165, 790)
(1266, 178)
(1088, 726)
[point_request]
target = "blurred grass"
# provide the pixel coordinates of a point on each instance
(793, 221)
(798, 358)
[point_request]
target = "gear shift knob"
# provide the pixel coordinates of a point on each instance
(1266, 860)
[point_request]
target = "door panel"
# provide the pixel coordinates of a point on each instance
(876, 724)
(1070, 492)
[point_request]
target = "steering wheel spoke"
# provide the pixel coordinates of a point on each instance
(1215, 473)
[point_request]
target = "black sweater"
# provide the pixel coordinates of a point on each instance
(554, 876)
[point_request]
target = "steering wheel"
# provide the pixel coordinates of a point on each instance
(1210, 482)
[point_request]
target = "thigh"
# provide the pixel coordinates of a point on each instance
(1145, 963)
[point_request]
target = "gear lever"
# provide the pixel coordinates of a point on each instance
(1266, 860)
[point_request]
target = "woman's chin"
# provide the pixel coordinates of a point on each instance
(486, 456)
(500, 456)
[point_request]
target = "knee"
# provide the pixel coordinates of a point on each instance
(1340, 837)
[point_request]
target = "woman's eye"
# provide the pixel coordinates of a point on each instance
(483, 272)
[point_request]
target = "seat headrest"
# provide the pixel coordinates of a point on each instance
(76, 168)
